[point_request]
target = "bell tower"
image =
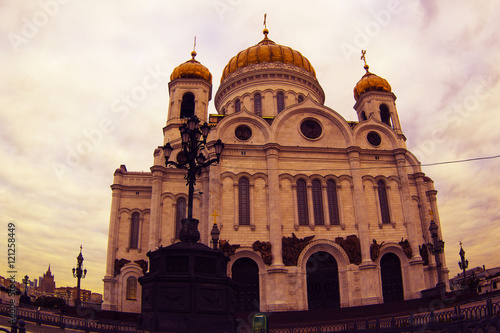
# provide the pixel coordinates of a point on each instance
(190, 90)
(374, 99)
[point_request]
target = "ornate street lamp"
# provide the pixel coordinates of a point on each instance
(194, 139)
(463, 264)
(215, 236)
(436, 248)
(79, 274)
(26, 281)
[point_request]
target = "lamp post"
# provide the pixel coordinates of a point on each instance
(215, 236)
(463, 264)
(79, 274)
(194, 139)
(436, 248)
(26, 281)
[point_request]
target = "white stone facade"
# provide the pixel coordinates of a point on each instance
(276, 155)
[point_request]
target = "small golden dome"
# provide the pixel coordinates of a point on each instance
(192, 69)
(370, 82)
(267, 51)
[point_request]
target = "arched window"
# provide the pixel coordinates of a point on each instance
(317, 196)
(187, 105)
(300, 99)
(384, 203)
(134, 231)
(237, 106)
(385, 115)
(257, 104)
(244, 201)
(179, 215)
(363, 116)
(280, 100)
(333, 206)
(131, 293)
(302, 202)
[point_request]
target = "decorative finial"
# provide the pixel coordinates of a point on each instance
(193, 54)
(431, 213)
(265, 31)
(363, 52)
(80, 248)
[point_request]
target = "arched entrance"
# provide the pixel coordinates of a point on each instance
(245, 273)
(392, 280)
(322, 281)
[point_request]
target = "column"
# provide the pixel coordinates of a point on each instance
(411, 225)
(360, 204)
(154, 223)
(310, 206)
(326, 209)
(272, 151)
(110, 293)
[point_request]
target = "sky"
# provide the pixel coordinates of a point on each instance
(84, 89)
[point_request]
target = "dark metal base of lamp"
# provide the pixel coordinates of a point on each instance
(187, 288)
(189, 231)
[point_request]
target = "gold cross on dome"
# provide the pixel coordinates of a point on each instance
(363, 57)
(363, 53)
(265, 25)
(215, 216)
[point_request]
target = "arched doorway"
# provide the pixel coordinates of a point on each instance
(392, 280)
(322, 281)
(245, 273)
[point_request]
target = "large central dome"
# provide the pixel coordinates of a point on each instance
(267, 51)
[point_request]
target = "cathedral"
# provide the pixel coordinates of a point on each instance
(314, 211)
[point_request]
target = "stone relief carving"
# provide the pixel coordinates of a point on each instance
(375, 250)
(405, 245)
(143, 264)
(119, 265)
(227, 248)
(352, 247)
(291, 247)
(424, 253)
(265, 251)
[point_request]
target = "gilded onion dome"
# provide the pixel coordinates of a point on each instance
(267, 51)
(192, 69)
(370, 82)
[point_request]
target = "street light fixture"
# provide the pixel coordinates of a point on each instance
(79, 274)
(463, 264)
(191, 158)
(436, 248)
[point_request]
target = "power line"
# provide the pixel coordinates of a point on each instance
(386, 167)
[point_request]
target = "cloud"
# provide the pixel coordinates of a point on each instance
(62, 135)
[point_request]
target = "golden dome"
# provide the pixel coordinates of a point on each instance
(267, 51)
(370, 82)
(191, 69)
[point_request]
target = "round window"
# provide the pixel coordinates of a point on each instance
(243, 132)
(311, 129)
(374, 139)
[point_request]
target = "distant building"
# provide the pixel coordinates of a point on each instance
(489, 279)
(69, 294)
(47, 283)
